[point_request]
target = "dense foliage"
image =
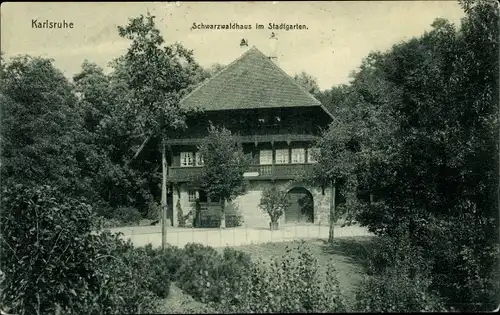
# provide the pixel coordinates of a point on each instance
(420, 125)
(53, 258)
(398, 278)
(41, 139)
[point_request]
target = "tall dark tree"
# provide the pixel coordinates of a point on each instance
(425, 118)
(114, 141)
(158, 76)
(308, 82)
(42, 137)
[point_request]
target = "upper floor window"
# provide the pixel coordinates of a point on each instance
(312, 155)
(298, 155)
(266, 157)
(192, 195)
(199, 159)
(262, 120)
(187, 159)
(282, 156)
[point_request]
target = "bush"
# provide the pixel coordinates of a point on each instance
(274, 203)
(53, 258)
(127, 215)
(395, 291)
(168, 261)
(198, 269)
(399, 279)
(204, 270)
(154, 211)
(234, 217)
(111, 223)
(128, 281)
(43, 234)
(180, 215)
(197, 214)
(290, 284)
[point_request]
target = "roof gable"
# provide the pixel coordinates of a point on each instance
(251, 81)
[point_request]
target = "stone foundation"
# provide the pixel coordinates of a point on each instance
(248, 203)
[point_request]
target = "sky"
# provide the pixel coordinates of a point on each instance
(338, 35)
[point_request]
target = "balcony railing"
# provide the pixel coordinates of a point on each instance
(254, 172)
(251, 138)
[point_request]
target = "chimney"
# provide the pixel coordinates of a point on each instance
(244, 43)
(272, 45)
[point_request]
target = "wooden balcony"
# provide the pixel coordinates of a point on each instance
(255, 172)
(250, 139)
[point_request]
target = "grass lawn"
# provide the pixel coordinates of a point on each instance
(347, 254)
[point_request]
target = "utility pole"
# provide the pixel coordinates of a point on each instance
(332, 212)
(163, 194)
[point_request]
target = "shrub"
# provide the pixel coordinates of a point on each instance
(127, 280)
(112, 223)
(43, 237)
(396, 291)
(128, 215)
(168, 260)
(204, 270)
(290, 284)
(234, 217)
(398, 279)
(154, 211)
(53, 258)
(274, 201)
(197, 214)
(198, 269)
(180, 215)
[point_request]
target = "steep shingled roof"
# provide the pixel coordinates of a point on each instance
(251, 81)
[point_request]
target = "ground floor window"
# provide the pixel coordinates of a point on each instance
(203, 196)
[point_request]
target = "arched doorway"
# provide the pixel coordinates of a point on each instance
(301, 208)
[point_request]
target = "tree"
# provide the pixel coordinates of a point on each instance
(215, 68)
(308, 82)
(113, 141)
(158, 77)
(225, 164)
(274, 203)
(333, 97)
(43, 141)
(335, 165)
(427, 132)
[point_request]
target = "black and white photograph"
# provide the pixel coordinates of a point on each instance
(249, 157)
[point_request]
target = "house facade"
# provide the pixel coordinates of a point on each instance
(274, 119)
